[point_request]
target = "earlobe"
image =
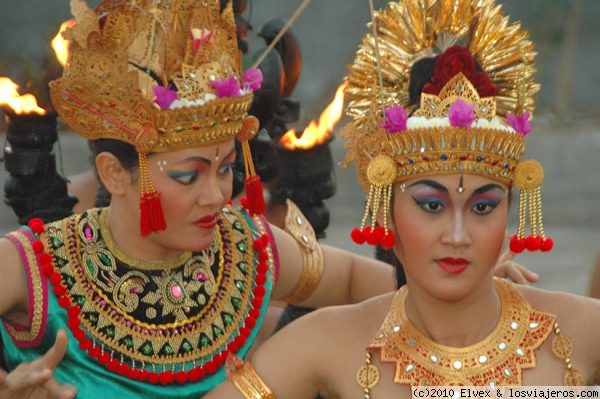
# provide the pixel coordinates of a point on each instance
(113, 175)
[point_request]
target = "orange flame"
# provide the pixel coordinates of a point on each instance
(317, 133)
(60, 45)
(25, 104)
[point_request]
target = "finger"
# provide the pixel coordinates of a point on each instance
(27, 377)
(52, 358)
(531, 276)
(515, 273)
(56, 390)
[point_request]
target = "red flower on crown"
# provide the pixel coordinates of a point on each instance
(454, 60)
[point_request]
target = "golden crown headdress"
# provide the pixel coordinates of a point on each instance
(467, 120)
(160, 75)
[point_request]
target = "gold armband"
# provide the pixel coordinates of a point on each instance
(246, 380)
(312, 256)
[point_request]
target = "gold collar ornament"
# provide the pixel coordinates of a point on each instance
(497, 360)
(465, 119)
(159, 75)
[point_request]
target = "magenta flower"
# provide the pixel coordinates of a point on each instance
(461, 114)
(227, 87)
(395, 119)
(252, 79)
(164, 96)
(520, 123)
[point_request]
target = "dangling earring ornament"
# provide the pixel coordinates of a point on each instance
(381, 174)
(152, 218)
(529, 177)
(255, 202)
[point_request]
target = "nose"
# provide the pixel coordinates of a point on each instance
(457, 234)
(211, 194)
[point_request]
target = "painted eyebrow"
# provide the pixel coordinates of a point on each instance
(432, 184)
(202, 159)
(486, 188)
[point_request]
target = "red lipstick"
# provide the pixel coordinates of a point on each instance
(453, 265)
(207, 222)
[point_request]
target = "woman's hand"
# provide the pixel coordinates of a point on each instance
(507, 267)
(34, 380)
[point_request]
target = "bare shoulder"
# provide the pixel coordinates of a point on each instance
(566, 306)
(332, 327)
(363, 317)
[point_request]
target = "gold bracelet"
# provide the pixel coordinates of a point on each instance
(246, 379)
(312, 255)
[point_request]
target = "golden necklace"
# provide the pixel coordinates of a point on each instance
(497, 360)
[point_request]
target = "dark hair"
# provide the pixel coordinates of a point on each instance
(420, 74)
(125, 153)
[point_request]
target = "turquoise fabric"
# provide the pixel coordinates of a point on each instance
(93, 381)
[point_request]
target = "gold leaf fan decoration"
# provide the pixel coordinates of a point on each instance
(409, 30)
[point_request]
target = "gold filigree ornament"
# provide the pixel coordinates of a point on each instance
(381, 174)
(368, 375)
(136, 73)
(463, 120)
(497, 360)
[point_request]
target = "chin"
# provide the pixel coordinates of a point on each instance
(196, 240)
(452, 287)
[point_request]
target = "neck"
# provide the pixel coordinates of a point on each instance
(124, 229)
(457, 324)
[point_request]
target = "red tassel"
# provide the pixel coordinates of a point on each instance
(517, 245)
(357, 236)
(387, 242)
(547, 244)
(254, 193)
(152, 218)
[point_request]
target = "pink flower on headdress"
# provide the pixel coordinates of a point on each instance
(519, 122)
(395, 119)
(461, 114)
(226, 87)
(252, 79)
(164, 96)
(200, 37)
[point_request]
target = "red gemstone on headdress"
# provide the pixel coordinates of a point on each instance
(517, 245)
(547, 244)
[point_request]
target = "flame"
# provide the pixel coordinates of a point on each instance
(60, 45)
(25, 104)
(317, 133)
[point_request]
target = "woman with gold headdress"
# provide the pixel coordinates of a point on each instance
(157, 290)
(437, 145)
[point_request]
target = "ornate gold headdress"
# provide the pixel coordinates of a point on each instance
(160, 75)
(467, 120)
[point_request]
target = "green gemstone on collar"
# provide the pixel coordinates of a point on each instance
(242, 246)
(57, 242)
(243, 266)
(186, 346)
(106, 261)
(227, 318)
(147, 349)
(237, 303)
(204, 340)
